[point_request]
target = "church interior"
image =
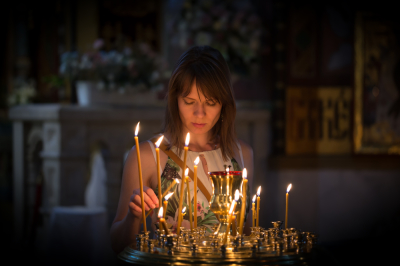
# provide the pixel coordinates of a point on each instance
(317, 90)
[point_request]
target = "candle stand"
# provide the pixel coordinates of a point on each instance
(266, 246)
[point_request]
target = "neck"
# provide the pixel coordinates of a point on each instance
(200, 143)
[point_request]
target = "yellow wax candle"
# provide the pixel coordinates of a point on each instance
(181, 199)
(186, 148)
(180, 216)
(162, 221)
(234, 230)
(140, 177)
(254, 210)
(195, 190)
(175, 181)
(189, 203)
(244, 196)
(287, 204)
(258, 205)
(166, 203)
(158, 169)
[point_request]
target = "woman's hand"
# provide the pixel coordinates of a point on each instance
(150, 201)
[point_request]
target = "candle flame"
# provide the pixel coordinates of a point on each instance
(186, 171)
(288, 188)
(237, 194)
(258, 191)
(177, 180)
(197, 160)
(159, 141)
(231, 209)
(137, 129)
(254, 198)
(168, 195)
(244, 174)
(187, 139)
(227, 170)
(184, 209)
(160, 213)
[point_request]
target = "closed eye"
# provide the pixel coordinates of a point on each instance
(188, 103)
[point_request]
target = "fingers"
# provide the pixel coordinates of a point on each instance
(152, 196)
(135, 199)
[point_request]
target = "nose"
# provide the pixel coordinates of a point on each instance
(199, 110)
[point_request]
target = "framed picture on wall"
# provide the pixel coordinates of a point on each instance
(377, 86)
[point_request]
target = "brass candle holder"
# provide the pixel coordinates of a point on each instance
(224, 185)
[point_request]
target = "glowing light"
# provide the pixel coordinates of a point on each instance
(187, 139)
(196, 162)
(259, 191)
(168, 195)
(244, 174)
(186, 171)
(254, 198)
(159, 141)
(237, 193)
(137, 129)
(288, 188)
(160, 212)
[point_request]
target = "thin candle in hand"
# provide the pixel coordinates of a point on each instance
(196, 162)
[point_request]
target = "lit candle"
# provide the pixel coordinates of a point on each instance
(254, 210)
(287, 204)
(258, 205)
(180, 216)
(243, 209)
(166, 203)
(233, 206)
(195, 190)
(189, 203)
(186, 148)
(175, 181)
(140, 177)
(181, 199)
(227, 181)
(158, 169)
(162, 220)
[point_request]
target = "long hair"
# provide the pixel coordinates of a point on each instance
(207, 67)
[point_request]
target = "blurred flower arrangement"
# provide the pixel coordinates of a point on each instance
(136, 68)
(232, 27)
(23, 93)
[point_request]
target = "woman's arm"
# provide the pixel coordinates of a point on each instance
(128, 218)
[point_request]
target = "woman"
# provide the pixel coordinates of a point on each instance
(201, 102)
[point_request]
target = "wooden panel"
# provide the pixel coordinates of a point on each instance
(318, 120)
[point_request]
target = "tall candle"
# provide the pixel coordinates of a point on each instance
(158, 169)
(181, 199)
(195, 190)
(186, 148)
(166, 203)
(140, 177)
(258, 205)
(189, 203)
(162, 220)
(254, 210)
(287, 204)
(243, 208)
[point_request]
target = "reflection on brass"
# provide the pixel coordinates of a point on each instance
(272, 246)
(224, 187)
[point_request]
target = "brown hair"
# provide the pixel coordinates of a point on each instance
(207, 67)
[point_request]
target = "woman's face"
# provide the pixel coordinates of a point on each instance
(198, 114)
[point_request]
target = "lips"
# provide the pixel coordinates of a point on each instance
(198, 125)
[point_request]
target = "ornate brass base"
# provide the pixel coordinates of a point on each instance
(273, 246)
